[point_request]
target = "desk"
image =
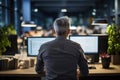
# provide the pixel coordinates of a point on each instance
(114, 69)
(28, 73)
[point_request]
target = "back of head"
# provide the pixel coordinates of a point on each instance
(61, 25)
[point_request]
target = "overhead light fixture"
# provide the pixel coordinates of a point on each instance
(28, 24)
(0, 2)
(93, 13)
(36, 10)
(63, 10)
(100, 22)
(94, 10)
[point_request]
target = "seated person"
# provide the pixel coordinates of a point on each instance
(61, 56)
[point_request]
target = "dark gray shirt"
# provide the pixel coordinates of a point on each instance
(60, 58)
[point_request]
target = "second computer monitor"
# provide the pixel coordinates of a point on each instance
(89, 44)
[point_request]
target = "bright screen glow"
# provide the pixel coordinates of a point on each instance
(34, 44)
(89, 44)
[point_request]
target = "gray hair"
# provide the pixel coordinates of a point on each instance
(61, 25)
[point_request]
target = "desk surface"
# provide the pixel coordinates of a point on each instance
(114, 69)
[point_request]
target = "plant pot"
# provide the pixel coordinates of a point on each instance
(115, 59)
(106, 62)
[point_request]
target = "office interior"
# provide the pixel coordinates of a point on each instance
(34, 19)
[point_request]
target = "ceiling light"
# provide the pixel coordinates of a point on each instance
(28, 24)
(63, 10)
(35, 10)
(93, 13)
(94, 10)
(100, 22)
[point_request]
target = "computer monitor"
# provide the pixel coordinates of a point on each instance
(34, 44)
(13, 49)
(103, 43)
(89, 44)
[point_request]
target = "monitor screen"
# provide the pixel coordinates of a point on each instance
(34, 44)
(89, 44)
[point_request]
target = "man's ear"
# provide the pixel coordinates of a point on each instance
(68, 32)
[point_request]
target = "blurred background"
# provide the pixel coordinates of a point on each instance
(40, 14)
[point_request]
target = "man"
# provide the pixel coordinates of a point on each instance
(61, 56)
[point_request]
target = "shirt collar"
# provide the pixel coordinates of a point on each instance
(60, 37)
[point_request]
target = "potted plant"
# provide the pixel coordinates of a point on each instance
(105, 59)
(113, 32)
(5, 31)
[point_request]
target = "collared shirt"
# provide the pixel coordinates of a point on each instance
(60, 57)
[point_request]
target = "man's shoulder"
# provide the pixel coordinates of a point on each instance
(73, 42)
(48, 43)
